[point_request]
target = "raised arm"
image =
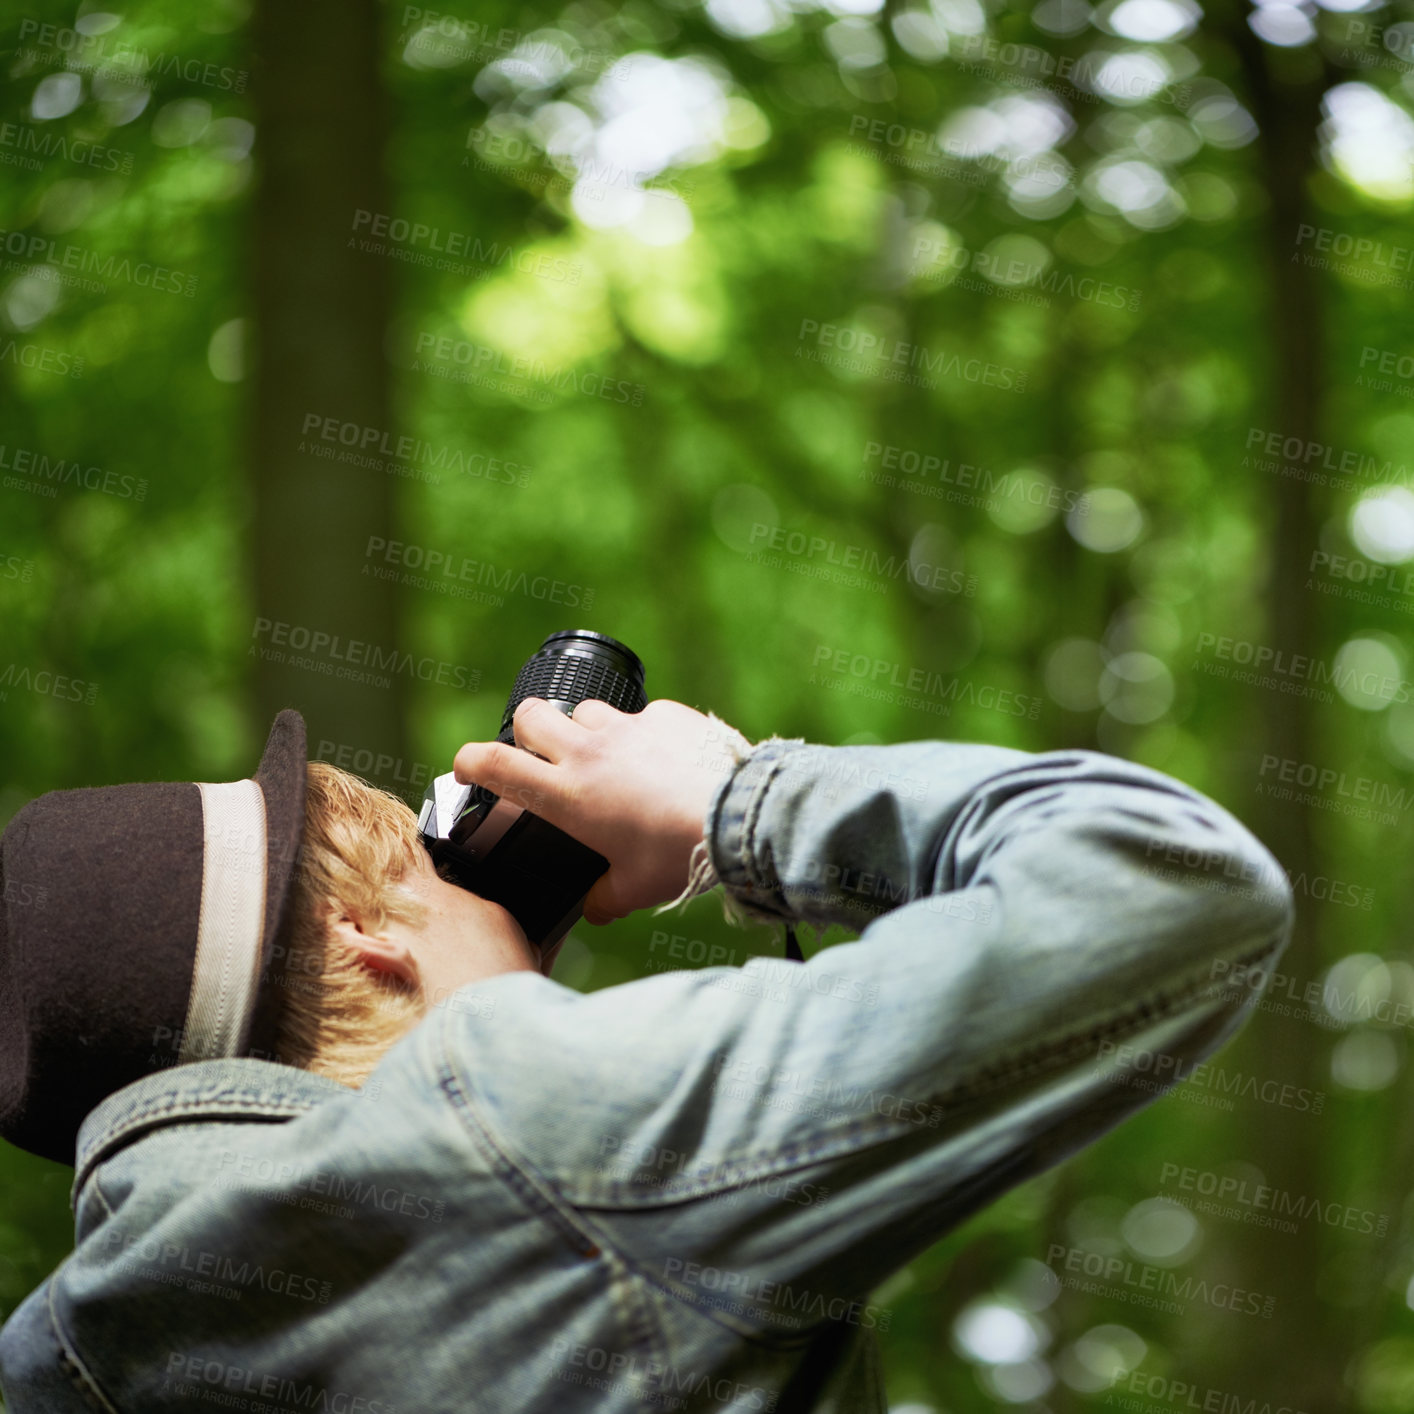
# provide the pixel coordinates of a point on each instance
(1044, 942)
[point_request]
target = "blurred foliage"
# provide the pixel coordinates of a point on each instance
(878, 374)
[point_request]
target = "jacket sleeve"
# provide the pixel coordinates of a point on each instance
(1048, 941)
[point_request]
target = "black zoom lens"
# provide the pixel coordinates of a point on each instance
(573, 665)
(497, 847)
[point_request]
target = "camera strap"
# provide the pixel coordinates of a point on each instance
(792, 947)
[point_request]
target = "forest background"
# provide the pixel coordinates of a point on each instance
(1037, 374)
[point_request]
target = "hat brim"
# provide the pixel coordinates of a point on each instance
(281, 775)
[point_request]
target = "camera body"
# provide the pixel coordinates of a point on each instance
(494, 845)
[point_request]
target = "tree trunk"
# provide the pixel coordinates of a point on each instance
(1302, 1359)
(321, 310)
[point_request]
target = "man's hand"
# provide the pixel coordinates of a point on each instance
(634, 786)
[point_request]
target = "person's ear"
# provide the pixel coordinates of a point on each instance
(378, 951)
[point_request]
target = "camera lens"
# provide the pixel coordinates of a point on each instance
(573, 665)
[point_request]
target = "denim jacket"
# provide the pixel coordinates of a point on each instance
(676, 1193)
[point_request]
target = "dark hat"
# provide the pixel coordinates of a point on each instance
(136, 925)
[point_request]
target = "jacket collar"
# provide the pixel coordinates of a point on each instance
(219, 1089)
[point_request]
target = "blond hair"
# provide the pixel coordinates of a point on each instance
(338, 1015)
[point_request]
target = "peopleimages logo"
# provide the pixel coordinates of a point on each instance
(45, 683)
(1327, 780)
(260, 1172)
(651, 1165)
(1167, 1069)
(376, 765)
(1182, 1395)
(420, 243)
(179, 1264)
(431, 33)
(1363, 248)
(45, 474)
(325, 650)
(743, 1294)
(484, 366)
(1124, 1280)
(1318, 460)
(1009, 278)
(1364, 580)
(964, 482)
(30, 147)
(41, 358)
(441, 566)
(404, 456)
(832, 665)
(801, 1091)
(1292, 672)
(943, 579)
(1262, 1205)
(1081, 79)
(647, 1381)
(121, 61)
(897, 360)
(69, 262)
(216, 1383)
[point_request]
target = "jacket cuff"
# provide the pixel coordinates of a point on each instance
(738, 852)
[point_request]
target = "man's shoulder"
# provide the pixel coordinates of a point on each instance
(205, 1091)
(222, 1173)
(222, 1138)
(241, 1219)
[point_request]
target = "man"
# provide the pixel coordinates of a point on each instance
(473, 1189)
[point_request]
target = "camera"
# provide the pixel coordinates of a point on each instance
(497, 848)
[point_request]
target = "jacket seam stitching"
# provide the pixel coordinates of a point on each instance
(755, 1332)
(186, 1107)
(752, 823)
(530, 1187)
(108, 1209)
(526, 1182)
(640, 1320)
(757, 884)
(72, 1364)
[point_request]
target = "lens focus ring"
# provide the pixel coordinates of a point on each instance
(572, 678)
(569, 669)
